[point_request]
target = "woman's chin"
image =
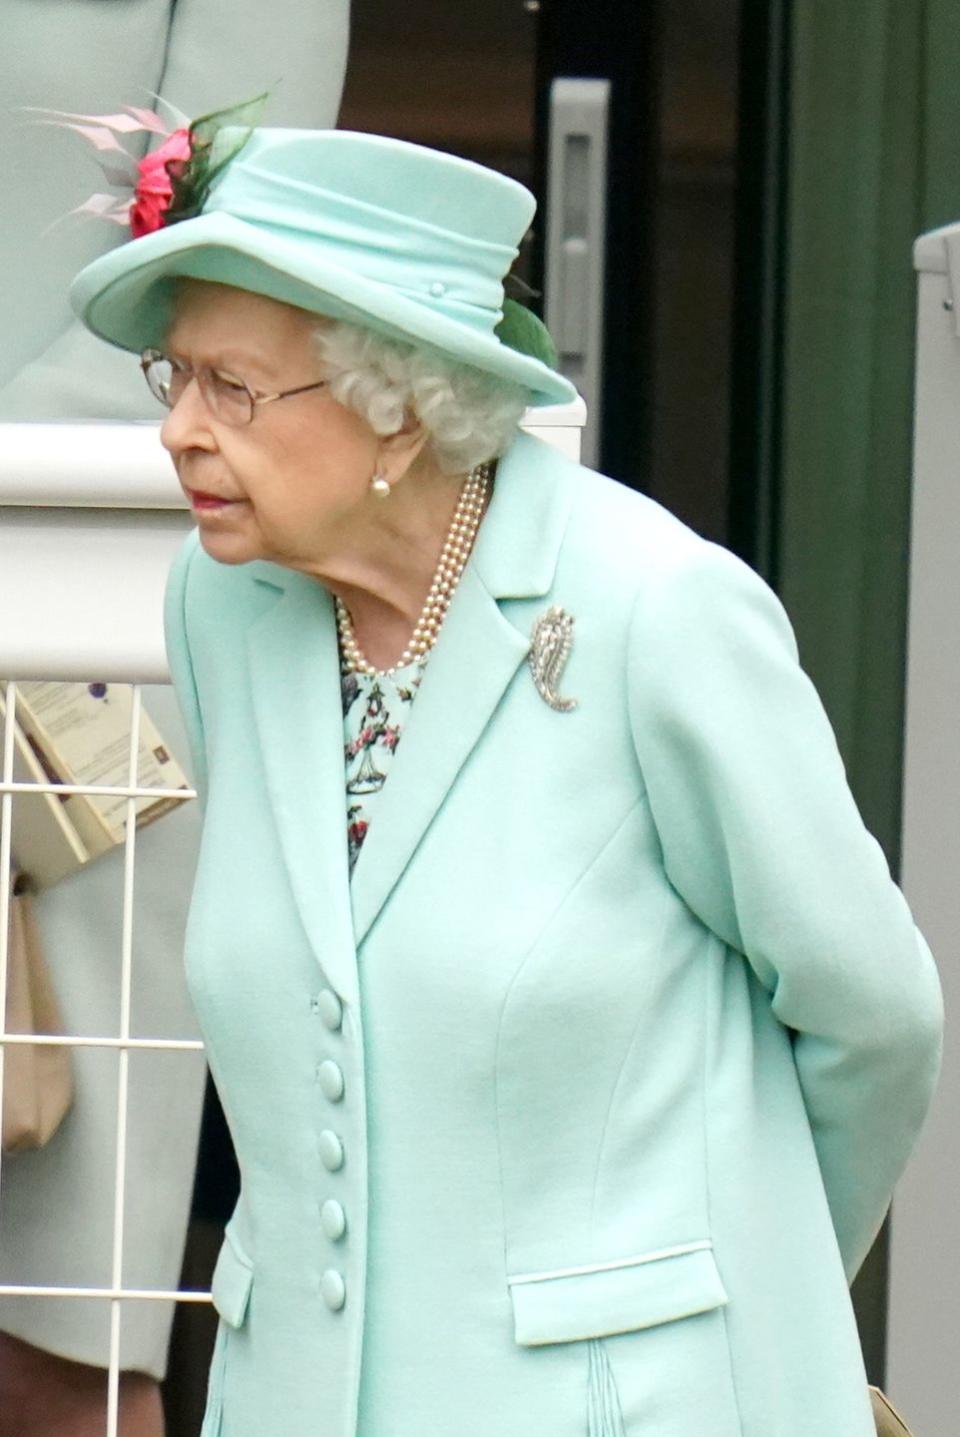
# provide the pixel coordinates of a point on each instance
(225, 546)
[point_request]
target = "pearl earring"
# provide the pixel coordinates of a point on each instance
(380, 485)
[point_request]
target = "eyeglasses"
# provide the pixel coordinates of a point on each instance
(228, 399)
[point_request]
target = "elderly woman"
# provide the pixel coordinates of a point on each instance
(573, 1052)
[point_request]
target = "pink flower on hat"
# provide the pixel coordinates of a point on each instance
(169, 185)
(154, 189)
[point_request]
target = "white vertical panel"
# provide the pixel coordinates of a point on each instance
(924, 1326)
(6, 826)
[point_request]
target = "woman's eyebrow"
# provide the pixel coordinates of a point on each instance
(226, 358)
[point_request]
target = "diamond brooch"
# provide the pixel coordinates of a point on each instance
(550, 648)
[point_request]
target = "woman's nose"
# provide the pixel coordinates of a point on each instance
(187, 425)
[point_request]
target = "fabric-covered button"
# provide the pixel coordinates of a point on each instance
(330, 1078)
(333, 1219)
(334, 1289)
(328, 1005)
(438, 287)
(331, 1150)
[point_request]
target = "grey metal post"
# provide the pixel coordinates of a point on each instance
(576, 239)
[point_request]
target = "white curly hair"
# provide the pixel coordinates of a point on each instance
(470, 416)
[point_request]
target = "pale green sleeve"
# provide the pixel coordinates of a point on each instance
(763, 840)
(200, 55)
(218, 55)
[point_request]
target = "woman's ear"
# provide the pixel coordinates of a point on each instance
(400, 449)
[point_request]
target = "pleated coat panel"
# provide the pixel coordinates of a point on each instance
(577, 1110)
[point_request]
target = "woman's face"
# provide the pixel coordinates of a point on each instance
(297, 476)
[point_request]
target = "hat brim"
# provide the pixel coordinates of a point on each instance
(126, 296)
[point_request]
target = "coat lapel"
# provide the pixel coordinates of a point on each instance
(473, 661)
(294, 670)
(292, 651)
(476, 655)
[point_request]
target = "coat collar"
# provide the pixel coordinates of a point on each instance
(292, 654)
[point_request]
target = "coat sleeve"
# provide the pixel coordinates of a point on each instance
(180, 662)
(763, 840)
(218, 55)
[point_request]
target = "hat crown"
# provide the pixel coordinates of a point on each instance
(394, 176)
(430, 226)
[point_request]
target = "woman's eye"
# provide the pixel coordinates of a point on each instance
(236, 385)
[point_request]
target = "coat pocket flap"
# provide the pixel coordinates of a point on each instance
(572, 1304)
(232, 1280)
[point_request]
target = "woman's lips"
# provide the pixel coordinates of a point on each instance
(200, 500)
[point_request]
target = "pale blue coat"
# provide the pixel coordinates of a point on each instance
(609, 1062)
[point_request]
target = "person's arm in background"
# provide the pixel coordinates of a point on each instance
(215, 55)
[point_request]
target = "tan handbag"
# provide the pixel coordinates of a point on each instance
(37, 1081)
(888, 1420)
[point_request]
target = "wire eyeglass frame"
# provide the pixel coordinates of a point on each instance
(219, 390)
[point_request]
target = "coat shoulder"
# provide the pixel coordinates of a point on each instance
(629, 543)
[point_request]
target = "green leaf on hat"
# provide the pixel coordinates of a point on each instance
(520, 329)
(191, 179)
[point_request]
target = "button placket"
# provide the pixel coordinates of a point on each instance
(328, 1074)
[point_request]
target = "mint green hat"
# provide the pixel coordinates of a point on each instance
(408, 241)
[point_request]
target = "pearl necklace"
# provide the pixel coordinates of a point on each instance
(453, 560)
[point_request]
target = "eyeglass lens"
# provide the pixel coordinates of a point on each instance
(226, 398)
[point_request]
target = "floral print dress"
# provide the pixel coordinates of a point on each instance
(375, 708)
